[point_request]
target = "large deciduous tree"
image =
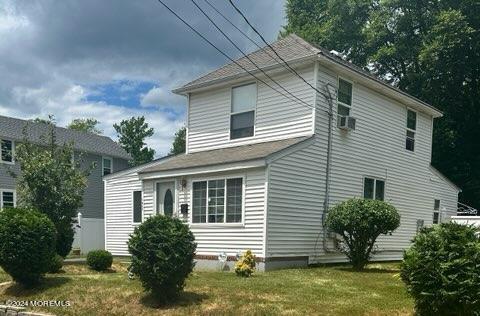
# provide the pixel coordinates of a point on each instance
(131, 136)
(51, 182)
(428, 48)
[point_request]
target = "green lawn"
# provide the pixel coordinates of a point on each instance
(332, 290)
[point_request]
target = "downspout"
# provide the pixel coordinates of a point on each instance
(326, 203)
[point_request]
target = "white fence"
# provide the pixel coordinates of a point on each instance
(467, 220)
(89, 234)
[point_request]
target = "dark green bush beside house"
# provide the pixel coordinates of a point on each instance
(99, 260)
(27, 244)
(162, 249)
(442, 270)
(360, 222)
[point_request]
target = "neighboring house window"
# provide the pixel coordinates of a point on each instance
(137, 206)
(7, 151)
(344, 97)
(107, 166)
(411, 129)
(7, 198)
(374, 189)
(242, 117)
(217, 201)
(436, 211)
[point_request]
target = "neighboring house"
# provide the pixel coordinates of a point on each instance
(92, 149)
(254, 175)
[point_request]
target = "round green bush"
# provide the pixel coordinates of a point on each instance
(56, 264)
(162, 249)
(99, 260)
(360, 222)
(27, 244)
(442, 270)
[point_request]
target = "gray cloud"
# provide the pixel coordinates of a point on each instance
(50, 51)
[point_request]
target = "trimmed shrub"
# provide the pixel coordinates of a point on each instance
(245, 266)
(442, 270)
(162, 249)
(99, 260)
(56, 264)
(360, 222)
(27, 244)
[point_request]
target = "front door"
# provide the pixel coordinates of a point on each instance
(165, 193)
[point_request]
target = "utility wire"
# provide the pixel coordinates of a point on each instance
(246, 56)
(270, 46)
(218, 49)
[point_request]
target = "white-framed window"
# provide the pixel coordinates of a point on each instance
(242, 112)
(373, 189)
(436, 211)
(137, 207)
(7, 151)
(218, 200)
(344, 97)
(8, 198)
(411, 130)
(107, 165)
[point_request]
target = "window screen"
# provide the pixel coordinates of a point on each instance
(137, 206)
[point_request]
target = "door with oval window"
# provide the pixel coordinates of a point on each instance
(165, 198)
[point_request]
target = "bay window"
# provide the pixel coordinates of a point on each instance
(217, 201)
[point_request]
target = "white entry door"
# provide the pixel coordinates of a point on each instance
(165, 198)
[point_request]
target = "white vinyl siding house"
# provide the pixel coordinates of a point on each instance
(265, 188)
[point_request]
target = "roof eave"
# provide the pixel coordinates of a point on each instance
(184, 90)
(383, 87)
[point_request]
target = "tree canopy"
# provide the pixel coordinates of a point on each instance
(131, 136)
(178, 145)
(85, 125)
(430, 49)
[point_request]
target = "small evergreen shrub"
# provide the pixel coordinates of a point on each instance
(442, 270)
(99, 260)
(162, 249)
(245, 266)
(360, 222)
(27, 244)
(56, 264)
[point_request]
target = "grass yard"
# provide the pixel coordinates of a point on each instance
(331, 290)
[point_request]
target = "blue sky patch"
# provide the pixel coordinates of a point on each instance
(120, 92)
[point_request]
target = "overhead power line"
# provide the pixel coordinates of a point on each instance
(248, 57)
(274, 51)
(219, 50)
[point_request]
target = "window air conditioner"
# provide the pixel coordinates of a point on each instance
(346, 122)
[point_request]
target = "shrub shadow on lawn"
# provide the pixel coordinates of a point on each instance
(369, 270)
(18, 290)
(184, 299)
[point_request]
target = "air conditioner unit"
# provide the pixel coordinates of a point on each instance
(346, 122)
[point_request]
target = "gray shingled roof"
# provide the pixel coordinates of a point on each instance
(291, 47)
(224, 155)
(13, 128)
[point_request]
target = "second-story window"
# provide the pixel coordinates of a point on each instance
(242, 117)
(7, 151)
(344, 97)
(107, 165)
(411, 129)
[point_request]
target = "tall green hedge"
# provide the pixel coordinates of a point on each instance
(442, 270)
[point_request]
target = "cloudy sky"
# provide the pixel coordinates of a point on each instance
(114, 59)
